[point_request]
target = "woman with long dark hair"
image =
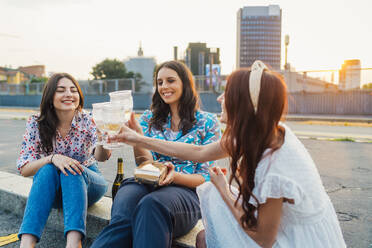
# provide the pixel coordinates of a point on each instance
(280, 200)
(59, 150)
(145, 216)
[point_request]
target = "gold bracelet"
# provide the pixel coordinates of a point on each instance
(51, 159)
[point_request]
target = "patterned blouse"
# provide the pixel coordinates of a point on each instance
(77, 144)
(206, 130)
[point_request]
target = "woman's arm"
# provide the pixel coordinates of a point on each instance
(63, 163)
(269, 213)
(140, 154)
(213, 151)
(101, 154)
(188, 180)
(31, 168)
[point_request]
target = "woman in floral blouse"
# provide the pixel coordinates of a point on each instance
(144, 216)
(59, 150)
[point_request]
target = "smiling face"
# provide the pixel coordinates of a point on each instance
(169, 86)
(221, 100)
(66, 97)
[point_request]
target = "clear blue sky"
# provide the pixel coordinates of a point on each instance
(74, 35)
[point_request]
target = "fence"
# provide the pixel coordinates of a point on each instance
(311, 92)
(357, 102)
(92, 87)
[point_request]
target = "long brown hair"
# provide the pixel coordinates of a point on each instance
(249, 134)
(48, 120)
(189, 101)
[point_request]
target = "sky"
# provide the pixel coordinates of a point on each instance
(74, 35)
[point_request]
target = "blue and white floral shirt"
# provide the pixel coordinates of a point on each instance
(206, 130)
(78, 143)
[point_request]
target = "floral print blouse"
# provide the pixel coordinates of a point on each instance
(77, 144)
(206, 130)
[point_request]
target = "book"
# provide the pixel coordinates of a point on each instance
(150, 172)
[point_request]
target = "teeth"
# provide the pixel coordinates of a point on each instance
(167, 94)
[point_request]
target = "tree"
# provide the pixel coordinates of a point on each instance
(115, 69)
(109, 69)
(137, 80)
(39, 80)
(367, 86)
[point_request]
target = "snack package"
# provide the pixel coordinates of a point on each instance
(150, 172)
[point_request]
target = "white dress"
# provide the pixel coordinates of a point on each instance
(290, 173)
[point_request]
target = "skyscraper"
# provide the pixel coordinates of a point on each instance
(198, 55)
(349, 75)
(259, 36)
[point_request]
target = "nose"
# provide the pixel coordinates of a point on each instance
(165, 84)
(221, 97)
(68, 92)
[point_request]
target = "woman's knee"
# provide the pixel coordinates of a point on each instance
(150, 205)
(47, 171)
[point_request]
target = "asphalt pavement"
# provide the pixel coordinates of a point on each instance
(345, 168)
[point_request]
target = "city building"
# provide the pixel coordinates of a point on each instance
(349, 75)
(33, 70)
(3, 74)
(301, 82)
(13, 76)
(198, 56)
(143, 65)
(259, 36)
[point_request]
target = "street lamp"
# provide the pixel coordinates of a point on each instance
(286, 42)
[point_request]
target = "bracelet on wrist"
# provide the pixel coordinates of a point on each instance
(51, 159)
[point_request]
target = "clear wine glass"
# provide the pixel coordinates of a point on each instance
(123, 97)
(97, 112)
(113, 120)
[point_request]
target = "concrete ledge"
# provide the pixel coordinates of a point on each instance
(14, 190)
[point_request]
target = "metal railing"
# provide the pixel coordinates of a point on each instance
(301, 81)
(89, 87)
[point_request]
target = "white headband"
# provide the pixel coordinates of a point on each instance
(255, 82)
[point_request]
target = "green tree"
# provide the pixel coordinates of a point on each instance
(109, 69)
(115, 69)
(137, 80)
(38, 80)
(367, 86)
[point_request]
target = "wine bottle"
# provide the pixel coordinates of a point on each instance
(119, 178)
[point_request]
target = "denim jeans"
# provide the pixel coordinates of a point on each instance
(73, 193)
(143, 216)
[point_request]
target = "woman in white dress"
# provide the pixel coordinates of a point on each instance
(280, 200)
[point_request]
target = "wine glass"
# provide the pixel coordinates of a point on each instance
(123, 97)
(97, 112)
(113, 119)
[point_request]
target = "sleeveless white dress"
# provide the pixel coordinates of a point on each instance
(290, 173)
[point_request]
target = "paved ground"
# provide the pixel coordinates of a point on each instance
(345, 168)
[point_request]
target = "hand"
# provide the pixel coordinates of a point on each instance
(218, 178)
(134, 124)
(99, 135)
(169, 178)
(64, 163)
(126, 135)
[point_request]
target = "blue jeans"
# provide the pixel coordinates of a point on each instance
(74, 194)
(144, 216)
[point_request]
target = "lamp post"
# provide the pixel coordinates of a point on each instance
(286, 42)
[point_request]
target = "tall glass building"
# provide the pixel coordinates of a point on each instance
(259, 36)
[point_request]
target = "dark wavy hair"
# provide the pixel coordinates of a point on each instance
(249, 134)
(48, 120)
(189, 101)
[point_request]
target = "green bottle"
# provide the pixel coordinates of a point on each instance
(119, 178)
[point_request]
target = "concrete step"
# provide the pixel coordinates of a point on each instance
(14, 190)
